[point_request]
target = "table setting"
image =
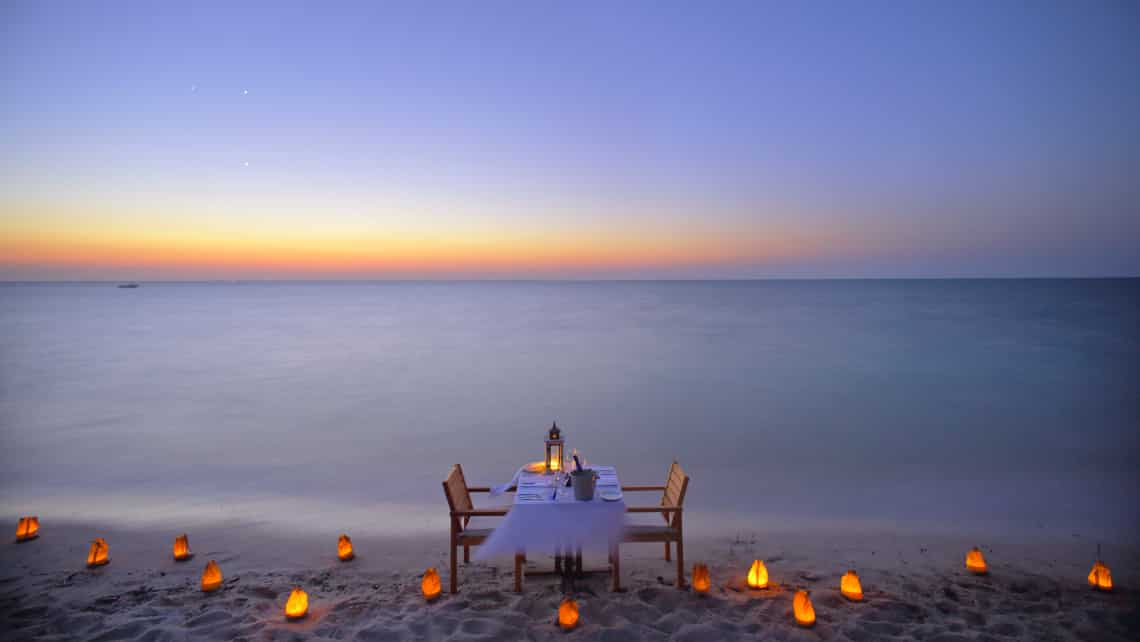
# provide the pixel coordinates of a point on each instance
(556, 510)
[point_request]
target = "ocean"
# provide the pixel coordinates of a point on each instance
(964, 404)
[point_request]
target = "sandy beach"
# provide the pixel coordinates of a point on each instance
(915, 586)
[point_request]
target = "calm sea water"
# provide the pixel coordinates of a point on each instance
(970, 403)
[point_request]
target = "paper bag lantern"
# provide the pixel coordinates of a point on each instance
(850, 587)
(297, 605)
(975, 563)
(344, 548)
(97, 556)
(758, 575)
(568, 614)
(431, 585)
(182, 548)
(700, 578)
(27, 528)
(211, 577)
(1100, 577)
(801, 606)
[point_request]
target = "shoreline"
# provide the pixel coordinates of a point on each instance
(916, 587)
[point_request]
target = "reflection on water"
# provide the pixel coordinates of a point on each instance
(963, 401)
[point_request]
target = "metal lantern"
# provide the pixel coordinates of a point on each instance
(553, 450)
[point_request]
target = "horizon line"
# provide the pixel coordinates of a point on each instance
(577, 280)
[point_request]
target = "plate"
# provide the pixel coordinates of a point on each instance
(611, 495)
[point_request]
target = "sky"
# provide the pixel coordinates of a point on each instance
(345, 140)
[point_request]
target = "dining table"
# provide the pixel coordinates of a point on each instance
(545, 518)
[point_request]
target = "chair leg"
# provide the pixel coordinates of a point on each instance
(466, 553)
(680, 563)
(454, 567)
(668, 558)
(518, 572)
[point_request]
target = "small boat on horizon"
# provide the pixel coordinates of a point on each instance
(128, 285)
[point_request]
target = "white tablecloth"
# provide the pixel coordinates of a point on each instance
(538, 523)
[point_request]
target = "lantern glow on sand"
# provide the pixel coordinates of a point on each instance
(975, 562)
(554, 446)
(98, 555)
(804, 612)
(1100, 577)
(28, 528)
(182, 548)
(211, 577)
(344, 548)
(850, 587)
(700, 578)
(758, 575)
(297, 605)
(430, 585)
(568, 614)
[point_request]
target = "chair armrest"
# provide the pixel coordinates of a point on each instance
(482, 512)
(653, 509)
(478, 489)
(637, 488)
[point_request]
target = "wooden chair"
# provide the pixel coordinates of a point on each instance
(672, 498)
(462, 510)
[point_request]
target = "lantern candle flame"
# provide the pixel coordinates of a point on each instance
(430, 585)
(568, 614)
(850, 587)
(804, 612)
(297, 605)
(344, 548)
(182, 548)
(701, 578)
(27, 528)
(976, 562)
(758, 575)
(98, 555)
(211, 577)
(1100, 577)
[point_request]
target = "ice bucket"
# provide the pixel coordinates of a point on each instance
(583, 482)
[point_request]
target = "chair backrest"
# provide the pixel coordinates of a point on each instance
(455, 488)
(674, 495)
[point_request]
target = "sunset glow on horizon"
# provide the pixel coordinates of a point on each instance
(276, 140)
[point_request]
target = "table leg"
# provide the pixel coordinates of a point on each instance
(518, 572)
(615, 569)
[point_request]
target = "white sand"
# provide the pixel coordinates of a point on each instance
(916, 589)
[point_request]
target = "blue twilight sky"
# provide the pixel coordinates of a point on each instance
(671, 139)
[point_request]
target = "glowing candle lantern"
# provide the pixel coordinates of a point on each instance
(554, 446)
(700, 578)
(431, 584)
(344, 548)
(1100, 577)
(27, 528)
(568, 614)
(975, 563)
(803, 610)
(97, 556)
(182, 548)
(850, 587)
(211, 577)
(758, 575)
(297, 605)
